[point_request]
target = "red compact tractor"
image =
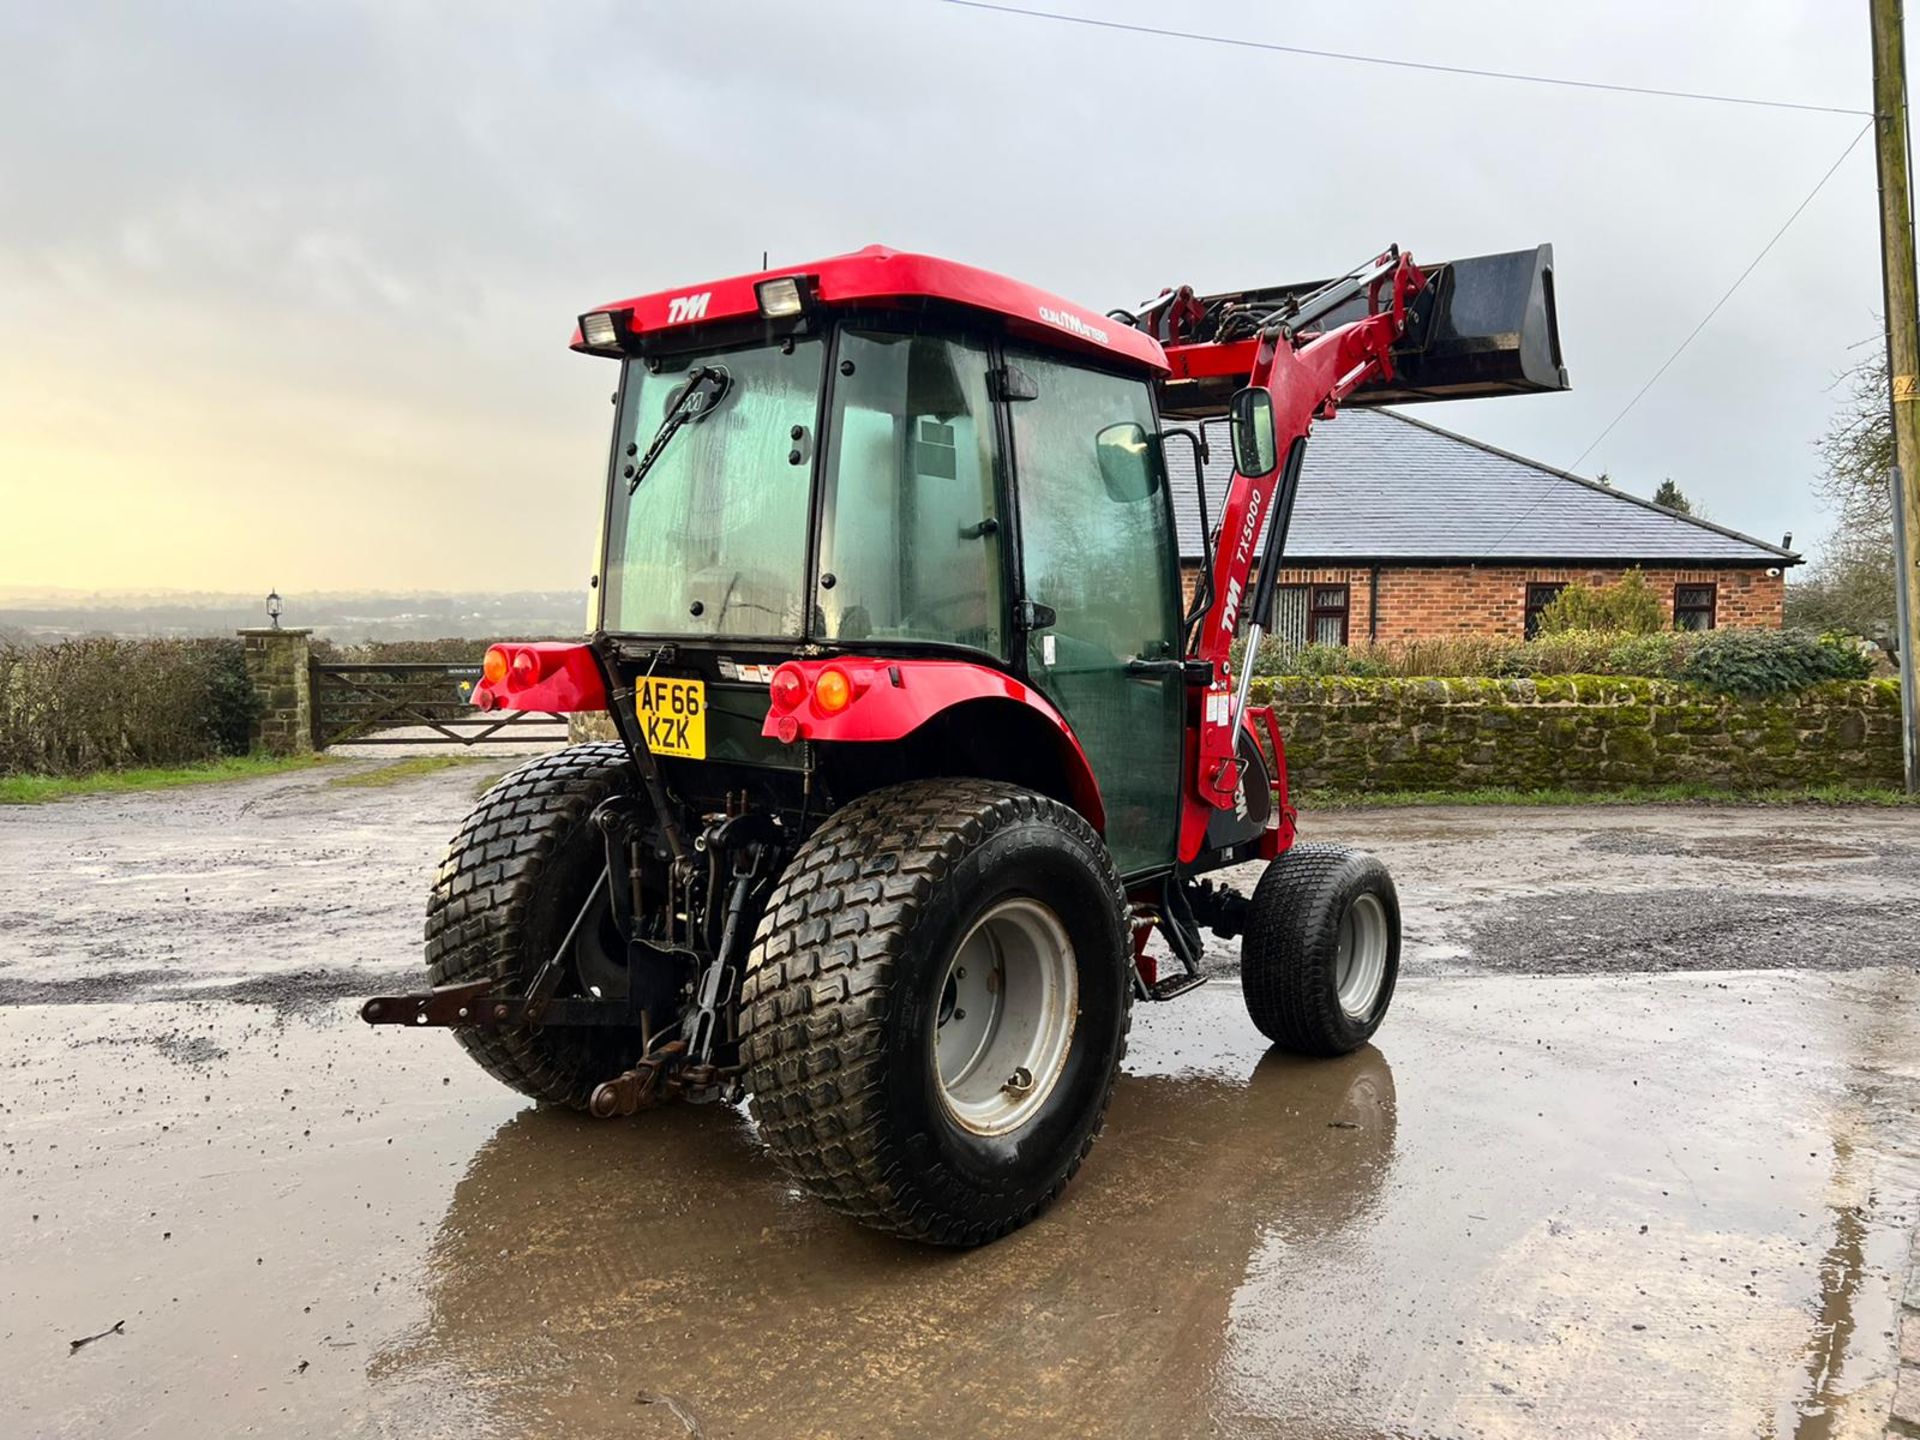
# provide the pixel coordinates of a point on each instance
(918, 743)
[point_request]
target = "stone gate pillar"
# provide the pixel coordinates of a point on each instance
(283, 686)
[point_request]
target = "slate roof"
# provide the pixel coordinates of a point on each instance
(1380, 487)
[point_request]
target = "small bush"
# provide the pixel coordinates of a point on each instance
(1629, 605)
(1571, 652)
(1771, 662)
(1278, 659)
(1660, 654)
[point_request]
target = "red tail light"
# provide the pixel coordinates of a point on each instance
(525, 667)
(788, 688)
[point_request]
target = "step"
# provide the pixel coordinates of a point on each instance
(1174, 985)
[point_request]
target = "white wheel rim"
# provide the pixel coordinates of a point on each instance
(1004, 1017)
(1360, 956)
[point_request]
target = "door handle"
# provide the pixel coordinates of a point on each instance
(1194, 672)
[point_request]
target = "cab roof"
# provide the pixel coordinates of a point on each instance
(879, 278)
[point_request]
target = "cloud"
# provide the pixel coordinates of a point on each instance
(343, 244)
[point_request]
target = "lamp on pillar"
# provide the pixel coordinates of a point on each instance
(273, 607)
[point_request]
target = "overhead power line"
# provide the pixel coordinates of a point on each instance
(1692, 335)
(1705, 320)
(1431, 67)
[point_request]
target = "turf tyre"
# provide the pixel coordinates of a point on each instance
(513, 880)
(841, 1001)
(1291, 959)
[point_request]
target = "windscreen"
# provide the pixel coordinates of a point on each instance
(708, 530)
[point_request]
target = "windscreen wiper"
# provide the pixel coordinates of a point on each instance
(706, 386)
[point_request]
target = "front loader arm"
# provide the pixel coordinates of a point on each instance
(1306, 375)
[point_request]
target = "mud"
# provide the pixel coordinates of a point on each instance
(1561, 1194)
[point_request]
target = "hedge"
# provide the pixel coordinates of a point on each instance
(1732, 662)
(102, 703)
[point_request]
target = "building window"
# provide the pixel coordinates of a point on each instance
(1693, 606)
(1310, 614)
(1540, 596)
(1327, 615)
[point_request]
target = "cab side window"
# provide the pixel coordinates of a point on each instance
(1099, 558)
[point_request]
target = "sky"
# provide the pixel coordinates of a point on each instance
(285, 290)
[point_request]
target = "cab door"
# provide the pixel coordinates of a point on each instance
(1097, 550)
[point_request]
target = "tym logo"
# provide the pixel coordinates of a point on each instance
(682, 308)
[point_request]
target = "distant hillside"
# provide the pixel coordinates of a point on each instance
(342, 617)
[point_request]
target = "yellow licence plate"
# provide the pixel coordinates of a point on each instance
(673, 715)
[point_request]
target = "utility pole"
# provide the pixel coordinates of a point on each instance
(1903, 341)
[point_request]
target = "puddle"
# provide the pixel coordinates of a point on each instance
(1617, 1206)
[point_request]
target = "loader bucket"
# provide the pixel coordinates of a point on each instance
(1483, 326)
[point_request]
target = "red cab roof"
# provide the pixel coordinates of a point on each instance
(892, 279)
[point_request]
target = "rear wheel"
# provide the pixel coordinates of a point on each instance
(936, 1006)
(1322, 950)
(513, 881)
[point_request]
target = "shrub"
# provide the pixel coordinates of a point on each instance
(1570, 652)
(101, 703)
(1660, 654)
(1629, 604)
(1277, 659)
(1771, 662)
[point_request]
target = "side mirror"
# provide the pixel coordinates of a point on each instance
(1129, 462)
(1250, 423)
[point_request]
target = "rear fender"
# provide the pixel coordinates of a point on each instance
(554, 677)
(897, 700)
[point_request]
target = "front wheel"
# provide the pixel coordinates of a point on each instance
(1322, 950)
(936, 1006)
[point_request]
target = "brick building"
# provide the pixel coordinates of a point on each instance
(1406, 531)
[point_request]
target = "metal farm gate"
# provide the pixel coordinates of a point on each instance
(415, 703)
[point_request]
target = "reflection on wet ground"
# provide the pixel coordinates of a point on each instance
(1561, 1195)
(1614, 1206)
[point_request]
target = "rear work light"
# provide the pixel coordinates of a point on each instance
(781, 299)
(599, 331)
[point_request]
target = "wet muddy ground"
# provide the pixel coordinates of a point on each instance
(1636, 1154)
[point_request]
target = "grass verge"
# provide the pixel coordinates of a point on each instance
(1632, 795)
(37, 789)
(398, 770)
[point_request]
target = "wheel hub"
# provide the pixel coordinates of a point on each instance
(1360, 956)
(1005, 1018)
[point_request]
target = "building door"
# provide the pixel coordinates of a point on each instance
(1104, 564)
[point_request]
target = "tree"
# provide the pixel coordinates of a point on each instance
(1849, 586)
(1670, 496)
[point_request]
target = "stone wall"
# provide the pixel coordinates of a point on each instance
(1582, 733)
(1424, 602)
(277, 668)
